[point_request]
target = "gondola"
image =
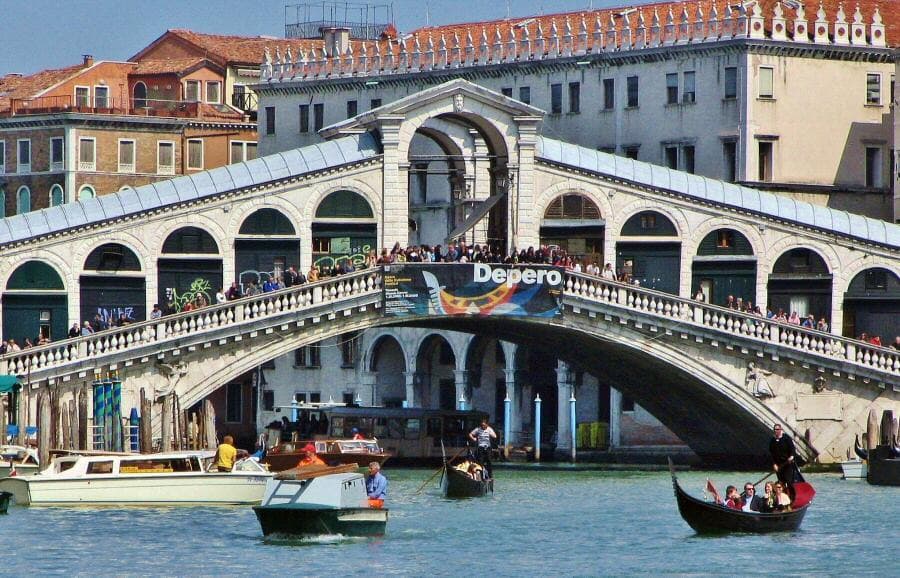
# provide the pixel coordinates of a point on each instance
(457, 483)
(860, 452)
(709, 518)
(4, 501)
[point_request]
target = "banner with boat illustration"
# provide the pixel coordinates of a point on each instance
(472, 289)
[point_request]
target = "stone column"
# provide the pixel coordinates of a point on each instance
(410, 377)
(615, 413)
(395, 196)
(524, 224)
(460, 376)
(515, 413)
(368, 387)
(564, 387)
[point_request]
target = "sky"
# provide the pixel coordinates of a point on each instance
(40, 34)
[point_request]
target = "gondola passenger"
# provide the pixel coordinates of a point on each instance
(782, 500)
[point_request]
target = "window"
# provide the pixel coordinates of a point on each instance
(876, 280)
(525, 94)
(648, 220)
(2, 156)
(766, 152)
(270, 120)
(304, 118)
(308, 356)
(609, 93)
(126, 156)
(632, 86)
(506, 91)
(192, 90)
(318, 116)
(729, 156)
(349, 348)
(670, 156)
(87, 154)
(672, 89)
(555, 98)
(687, 153)
(165, 158)
(23, 160)
(689, 96)
(873, 88)
(57, 153)
(86, 192)
(195, 154)
(23, 200)
(376, 102)
(766, 82)
(242, 151)
(101, 97)
(351, 108)
(731, 86)
(873, 167)
(82, 96)
(56, 196)
(100, 467)
(140, 95)
(234, 401)
(574, 97)
(631, 152)
(214, 91)
(724, 239)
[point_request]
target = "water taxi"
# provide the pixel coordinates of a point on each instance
(333, 452)
(175, 478)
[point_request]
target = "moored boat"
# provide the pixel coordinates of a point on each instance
(333, 452)
(176, 478)
(19, 459)
(319, 501)
(854, 469)
(466, 479)
(884, 466)
(709, 518)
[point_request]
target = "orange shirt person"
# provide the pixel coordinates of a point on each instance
(311, 458)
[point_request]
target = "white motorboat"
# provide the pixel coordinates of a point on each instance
(854, 469)
(308, 502)
(176, 478)
(24, 461)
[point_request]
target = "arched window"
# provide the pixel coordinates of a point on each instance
(344, 204)
(725, 242)
(191, 240)
(35, 275)
(86, 192)
(23, 200)
(56, 196)
(267, 222)
(800, 262)
(140, 95)
(649, 224)
(112, 257)
(572, 206)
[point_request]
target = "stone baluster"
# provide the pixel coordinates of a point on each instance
(539, 42)
(288, 63)
(625, 42)
(820, 35)
(741, 25)
(416, 55)
(484, 49)
(877, 34)
(336, 65)
(698, 30)
(389, 59)
(402, 58)
(858, 29)
(779, 24)
(669, 30)
(713, 27)
(567, 40)
(841, 27)
(429, 54)
(525, 46)
(512, 53)
(456, 55)
(684, 27)
(554, 50)
(348, 60)
(442, 61)
(726, 30)
(497, 55)
(801, 26)
(598, 43)
(640, 32)
(470, 49)
(277, 65)
(655, 31)
(756, 26)
(582, 46)
(265, 69)
(376, 59)
(362, 63)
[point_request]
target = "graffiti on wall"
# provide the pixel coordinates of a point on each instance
(199, 288)
(356, 255)
(110, 315)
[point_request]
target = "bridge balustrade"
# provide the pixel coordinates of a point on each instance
(198, 321)
(725, 320)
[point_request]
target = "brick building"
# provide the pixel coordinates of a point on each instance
(91, 129)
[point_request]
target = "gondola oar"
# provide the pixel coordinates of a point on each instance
(439, 470)
(761, 480)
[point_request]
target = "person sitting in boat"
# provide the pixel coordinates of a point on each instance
(732, 499)
(751, 502)
(226, 453)
(376, 486)
(310, 459)
(782, 500)
(356, 434)
(768, 499)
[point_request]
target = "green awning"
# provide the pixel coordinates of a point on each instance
(9, 383)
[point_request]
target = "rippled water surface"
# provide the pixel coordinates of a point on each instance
(537, 523)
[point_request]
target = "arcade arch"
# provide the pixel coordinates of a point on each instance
(344, 229)
(648, 255)
(266, 245)
(573, 222)
(800, 282)
(189, 269)
(724, 265)
(872, 305)
(435, 379)
(387, 361)
(112, 285)
(35, 303)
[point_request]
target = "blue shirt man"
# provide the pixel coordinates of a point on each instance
(376, 483)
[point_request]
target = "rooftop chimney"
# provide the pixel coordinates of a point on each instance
(88, 60)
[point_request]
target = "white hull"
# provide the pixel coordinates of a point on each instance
(21, 471)
(165, 489)
(854, 469)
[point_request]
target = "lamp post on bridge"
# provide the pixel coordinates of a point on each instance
(572, 436)
(537, 428)
(507, 426)
(461, 402)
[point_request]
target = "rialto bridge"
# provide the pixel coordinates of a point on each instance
(695, 365)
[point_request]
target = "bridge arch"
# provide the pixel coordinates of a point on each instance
(437, 364)
(387, 359)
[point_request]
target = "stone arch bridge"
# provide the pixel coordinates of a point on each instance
(683, 360)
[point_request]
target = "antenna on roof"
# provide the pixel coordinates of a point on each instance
(507, 9)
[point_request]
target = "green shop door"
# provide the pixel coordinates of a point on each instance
(654, 265)
(26, 316)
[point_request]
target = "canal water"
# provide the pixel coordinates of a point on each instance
(537, 523)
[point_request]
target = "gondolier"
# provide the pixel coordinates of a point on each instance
(483, 435)
(784, 457)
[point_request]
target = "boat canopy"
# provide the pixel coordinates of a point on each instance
(9, 383)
